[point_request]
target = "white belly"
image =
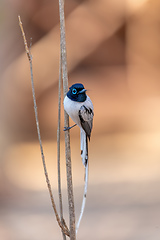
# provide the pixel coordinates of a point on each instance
(72, 108)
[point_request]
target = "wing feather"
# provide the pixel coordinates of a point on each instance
(86, 118)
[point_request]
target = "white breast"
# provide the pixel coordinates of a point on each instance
(72, 108)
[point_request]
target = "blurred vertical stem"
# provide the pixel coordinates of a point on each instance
(66, 122)
(58, 146)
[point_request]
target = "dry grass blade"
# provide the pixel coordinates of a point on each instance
(63, 227)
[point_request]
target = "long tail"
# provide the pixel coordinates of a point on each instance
(84, 147)
(84, 155)
(84, 198)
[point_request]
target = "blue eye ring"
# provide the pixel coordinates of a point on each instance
(74, 91)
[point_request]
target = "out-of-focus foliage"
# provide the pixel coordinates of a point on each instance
(113, 48)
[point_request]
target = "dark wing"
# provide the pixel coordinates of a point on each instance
(86, 118)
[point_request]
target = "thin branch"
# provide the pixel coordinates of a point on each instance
(58, 146)
(84, 198)
(24, 39)
(63, 227)
(66, 123)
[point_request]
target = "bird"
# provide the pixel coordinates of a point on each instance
(79, 107)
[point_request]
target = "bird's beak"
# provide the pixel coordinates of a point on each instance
(83, 90)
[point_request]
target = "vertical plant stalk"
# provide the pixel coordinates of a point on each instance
(58, 146)
(66, 123)
(63, 227)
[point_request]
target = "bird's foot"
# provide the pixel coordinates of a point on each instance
(68, 128)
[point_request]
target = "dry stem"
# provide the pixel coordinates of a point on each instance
(63, 227)
(66, 123)
(58, 145)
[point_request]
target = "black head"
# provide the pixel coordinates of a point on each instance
(77, 93)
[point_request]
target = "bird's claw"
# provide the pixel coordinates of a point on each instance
(66, 128)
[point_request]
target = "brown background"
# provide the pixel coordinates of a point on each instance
(113, 48)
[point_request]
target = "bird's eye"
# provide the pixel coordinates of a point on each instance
(74, 91)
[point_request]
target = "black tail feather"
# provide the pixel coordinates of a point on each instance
(86, 157)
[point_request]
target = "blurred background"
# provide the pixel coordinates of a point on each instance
(113, 48)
